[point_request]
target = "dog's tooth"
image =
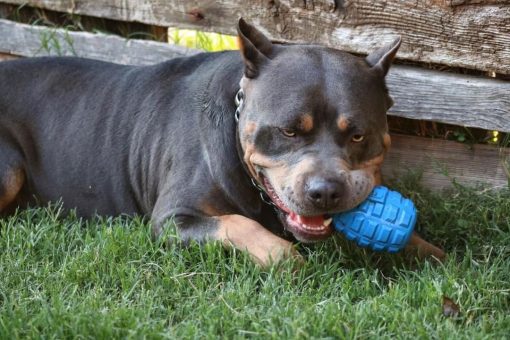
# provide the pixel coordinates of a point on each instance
(327, 222)
(312, 227)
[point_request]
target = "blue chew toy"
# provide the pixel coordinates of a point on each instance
(383, 222)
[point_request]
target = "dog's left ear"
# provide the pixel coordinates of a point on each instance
(382, 58)
(255, 48)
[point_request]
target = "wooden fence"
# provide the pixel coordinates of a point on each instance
(470, 34)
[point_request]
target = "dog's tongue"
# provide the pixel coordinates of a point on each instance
(314, 221)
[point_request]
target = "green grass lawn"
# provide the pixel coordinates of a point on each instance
(63, 278)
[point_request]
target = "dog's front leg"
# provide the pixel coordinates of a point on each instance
(423, 249)
(232, 231)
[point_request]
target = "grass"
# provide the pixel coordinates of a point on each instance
(61, 277)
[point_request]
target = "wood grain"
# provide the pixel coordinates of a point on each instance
(441, 162)
(446, 32)
(418, 93)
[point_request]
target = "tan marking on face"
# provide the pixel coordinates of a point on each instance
(306, 122)
(278, 177)
(249, 128)
(246, 234)
(286, 176)
(343, 164)
(373, 167)
(377, 177)
(342, 123)
(249, 150)
(376, 161)
(387, 142)
(11, 184)
(295, 176)
(253, 158)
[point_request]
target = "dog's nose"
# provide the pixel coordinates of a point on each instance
(324, 193)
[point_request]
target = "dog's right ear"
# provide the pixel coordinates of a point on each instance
(255, 48)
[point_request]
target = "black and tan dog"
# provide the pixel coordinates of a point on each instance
(166, 141)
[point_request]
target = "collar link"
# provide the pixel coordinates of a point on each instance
(239, 100)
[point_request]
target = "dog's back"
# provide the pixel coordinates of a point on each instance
(91, 132)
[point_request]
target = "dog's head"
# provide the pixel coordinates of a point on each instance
(313, 127)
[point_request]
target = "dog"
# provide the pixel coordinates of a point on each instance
(255, 148)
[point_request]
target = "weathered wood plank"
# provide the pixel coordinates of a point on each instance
(442, 161)
(28, 41)
(450, 98)
(418, 93)
(435, 31)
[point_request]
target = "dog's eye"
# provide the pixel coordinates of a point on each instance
(288, 132)
(358, 138)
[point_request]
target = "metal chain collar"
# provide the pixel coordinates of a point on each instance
(239, 100)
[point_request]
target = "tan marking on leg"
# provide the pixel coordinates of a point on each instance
(246, 234)
(11, 185)
(211, 206)
(306, 122)
(210, 210)
(423, 249)
(343, 123)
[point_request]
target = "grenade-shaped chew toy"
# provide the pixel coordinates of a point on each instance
(383, 222)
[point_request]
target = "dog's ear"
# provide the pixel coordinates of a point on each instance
(255, 48)
(382, 58)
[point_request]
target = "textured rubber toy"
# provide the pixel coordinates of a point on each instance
(383, 222)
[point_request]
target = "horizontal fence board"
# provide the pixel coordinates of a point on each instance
(418, 93)
(26, 40)
(450, 32)
(450, 98)
(441, 161)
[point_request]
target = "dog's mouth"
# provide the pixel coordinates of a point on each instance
(304, 228)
